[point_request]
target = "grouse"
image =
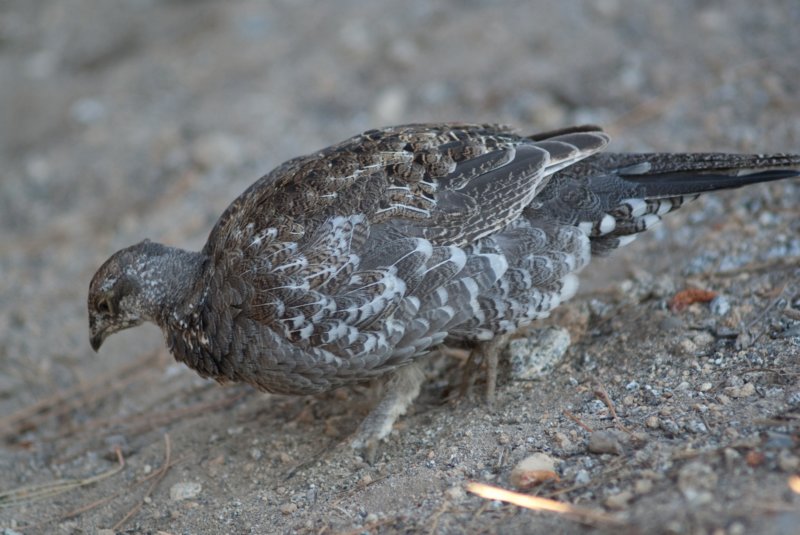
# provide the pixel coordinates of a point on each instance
(357, 261)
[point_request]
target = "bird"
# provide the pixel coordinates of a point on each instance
(359, 261)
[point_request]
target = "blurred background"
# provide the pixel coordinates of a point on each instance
(141, 119)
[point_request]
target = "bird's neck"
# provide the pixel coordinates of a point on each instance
(171, 283)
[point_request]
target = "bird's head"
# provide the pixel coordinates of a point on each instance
(115, 293)
(144, 282)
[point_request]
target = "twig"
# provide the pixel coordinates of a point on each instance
(442, 510)
(794, 484)
(581, 514)
(54, 488)
(597, 481)
(161, 473)
(361, 486)
(97, 503)
(578, 421)
(749, 341)
(601, 393)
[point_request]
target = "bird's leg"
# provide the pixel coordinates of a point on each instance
(490, 353)
(401, 389)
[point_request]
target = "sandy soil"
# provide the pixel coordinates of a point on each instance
(145, 118)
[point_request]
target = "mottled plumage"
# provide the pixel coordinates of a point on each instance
(356, 261)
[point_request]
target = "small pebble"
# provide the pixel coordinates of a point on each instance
(788, 462)
(185, 490)
(703, 339)
(777, 441)
(687, 347)
(652, 422)
(732, 457)
(643, 486)
(455, 494)
(534, 470)
(697, 480)
(754, 458)
(696, 426)
(620, 500)
(605, 442)
(288, 508)
(535, 355)
(562, 440)
(744, 391)
(720, 305)
(582, 477)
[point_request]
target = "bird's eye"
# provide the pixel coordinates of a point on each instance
(103, 307)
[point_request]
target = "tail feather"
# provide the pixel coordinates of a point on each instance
(666, 175)
(613, 196)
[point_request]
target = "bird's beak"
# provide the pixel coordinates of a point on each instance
(96, 340)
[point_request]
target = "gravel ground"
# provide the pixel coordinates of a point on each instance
(145, 118)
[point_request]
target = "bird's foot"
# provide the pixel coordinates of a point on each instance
(401, 390)
(488, 352)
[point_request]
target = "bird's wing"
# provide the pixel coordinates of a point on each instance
(450, 183)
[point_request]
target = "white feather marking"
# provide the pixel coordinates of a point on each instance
(296, 262)
(607, 224)
(651, 220)
(457, 256)
(441, 295)
(423, 246)
(306, 331)
(638, 206)
(406, 207)
(569, 288)
(498, 263)
(295, 322)
(301, 286)
(411, 302)
(484, 334)
(471, 286)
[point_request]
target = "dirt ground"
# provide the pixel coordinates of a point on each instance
(145, 118)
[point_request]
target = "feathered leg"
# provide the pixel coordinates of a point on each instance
(401, 389)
